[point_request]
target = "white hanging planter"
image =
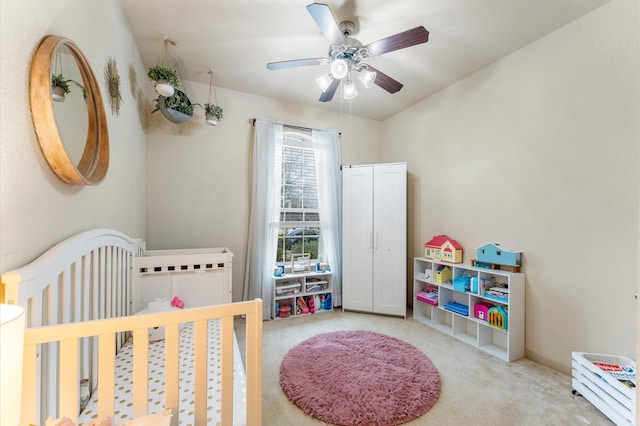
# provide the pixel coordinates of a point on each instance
(164, 89)
(57, 93)
(211, 120)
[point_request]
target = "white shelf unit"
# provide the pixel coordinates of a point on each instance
(289, 287)
(506, 344)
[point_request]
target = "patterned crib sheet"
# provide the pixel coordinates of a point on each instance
(124, 376)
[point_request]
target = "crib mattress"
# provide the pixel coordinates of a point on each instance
(124, 376)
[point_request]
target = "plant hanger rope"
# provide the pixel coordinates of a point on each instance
(167, 47)
(212, 86)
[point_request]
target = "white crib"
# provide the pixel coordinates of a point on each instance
(79, 298)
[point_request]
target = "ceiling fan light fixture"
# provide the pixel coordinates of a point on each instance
(367, 78)
(339, 69)
(324, 82)
(349, 90)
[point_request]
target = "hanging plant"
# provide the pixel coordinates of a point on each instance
(59, 87)
(59, 81)
(176, 108)
(158, 73)
(213, 113)
(166, 78)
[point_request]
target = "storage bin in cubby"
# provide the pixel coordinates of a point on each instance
(288, 288)
(315, 285)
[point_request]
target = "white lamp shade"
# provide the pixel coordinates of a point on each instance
(367, 78)
(339, 69)
(11, 349)
(324, 81)
(349, 90)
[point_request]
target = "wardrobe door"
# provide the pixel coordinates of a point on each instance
(390, 239)
(357, 238)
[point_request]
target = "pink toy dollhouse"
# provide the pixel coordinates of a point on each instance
(441, 247)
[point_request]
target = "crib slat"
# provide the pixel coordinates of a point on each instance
(109, 297)
(106, 376)
(172, 365)
(69, 380)
(200, 371)
(227, 371)
(140, 371)
(65, 313)
(76, 290)
(30, 400)
(254, 365)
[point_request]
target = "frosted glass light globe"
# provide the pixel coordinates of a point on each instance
(339, 69)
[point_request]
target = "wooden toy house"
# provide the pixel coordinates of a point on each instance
(443, 274)
(441, 247)
(493, 253)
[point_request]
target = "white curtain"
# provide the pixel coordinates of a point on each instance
(327, 144)
(264, 215)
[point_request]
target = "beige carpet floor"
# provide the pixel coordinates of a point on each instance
(477, 389)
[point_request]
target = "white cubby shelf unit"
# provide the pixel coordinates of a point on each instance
(506, 344)
(289, 288)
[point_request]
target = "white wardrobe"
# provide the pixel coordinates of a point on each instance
(374, 242)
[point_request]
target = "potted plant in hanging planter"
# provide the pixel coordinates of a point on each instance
(165, 78)
(213, 114)
(177, 108)
(59, 87)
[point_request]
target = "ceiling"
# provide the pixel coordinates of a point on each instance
(237, 38)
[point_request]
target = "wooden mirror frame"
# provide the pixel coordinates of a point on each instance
(93, 164)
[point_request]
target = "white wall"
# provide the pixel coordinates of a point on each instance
(539, 152)
(36, 209)
(198, 176)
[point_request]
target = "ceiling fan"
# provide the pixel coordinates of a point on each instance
(347, 55)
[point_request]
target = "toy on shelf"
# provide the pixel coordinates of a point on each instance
(441, 247)
(284, 311)
(302, 305)
(443, 274)
(458, 308)
(501, 294)
(480, 310)
(497, 317)
(428, 295)
(492, 256)
(462, 283)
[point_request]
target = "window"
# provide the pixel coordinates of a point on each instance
(298, 228)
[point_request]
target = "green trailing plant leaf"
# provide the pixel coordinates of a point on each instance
(58, 80)
(178, 102)
(158, 73)
(214, 110)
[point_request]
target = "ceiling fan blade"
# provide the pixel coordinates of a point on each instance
(384, 81)
(327, 23)
(327, 95)
(295, 63)
(401, 40)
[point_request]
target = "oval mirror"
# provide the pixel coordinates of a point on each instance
(73, 136)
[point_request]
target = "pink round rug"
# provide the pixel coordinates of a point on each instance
(359, 378)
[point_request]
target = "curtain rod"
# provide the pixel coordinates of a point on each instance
(292, 126)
